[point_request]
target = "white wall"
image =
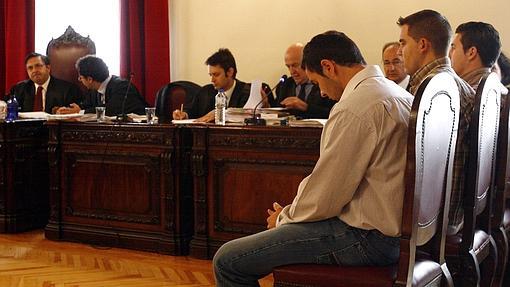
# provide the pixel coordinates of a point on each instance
(258, 31)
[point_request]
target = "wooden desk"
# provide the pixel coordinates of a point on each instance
(239, 172)
(125, 185)
(23, 175)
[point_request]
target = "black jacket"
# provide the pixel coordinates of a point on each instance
(59, 93)
(318, 107)
(115, 93)
(201, 103)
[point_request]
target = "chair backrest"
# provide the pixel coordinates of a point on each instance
(171, 96)
(63, 53)
(433, 126)
(481, 162)
(502, 164)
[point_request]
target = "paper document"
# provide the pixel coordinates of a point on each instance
(255, 96)
(33, 115)
(186, 122)
(308, 123)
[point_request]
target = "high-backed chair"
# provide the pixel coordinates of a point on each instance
(63, 53)
(430, 148)
(500, 230)
(171, 96)
(471, 254)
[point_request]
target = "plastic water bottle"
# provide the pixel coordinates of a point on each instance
(219, 107)
(12, 109)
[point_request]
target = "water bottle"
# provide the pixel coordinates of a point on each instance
(219, 107)
(12, 109)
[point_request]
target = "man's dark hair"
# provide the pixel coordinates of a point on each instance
(44, 58)
(484, 38)
(92, 66)
(224, 59)
(334, 46)
(504, 66)
(390, 44)
(432, 26)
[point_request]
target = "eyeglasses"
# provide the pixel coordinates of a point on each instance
(393, 63)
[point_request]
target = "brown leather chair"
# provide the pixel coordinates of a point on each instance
(471, 254)
(171, 96)
(430, 149)
(500, 228)
(63, 53)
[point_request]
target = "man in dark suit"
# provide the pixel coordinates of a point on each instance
(106, 90)
(222, 70)
(298, 94)
(42, 92)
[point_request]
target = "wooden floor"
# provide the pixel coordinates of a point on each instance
(29, 260)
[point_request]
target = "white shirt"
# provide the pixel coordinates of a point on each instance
(102, 89)
(229, 92)
(359, 176)
(44, 90)
(404, 82)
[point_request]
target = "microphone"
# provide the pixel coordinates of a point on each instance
(123, 117)
(258, 121)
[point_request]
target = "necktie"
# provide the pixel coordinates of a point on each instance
(302, 92)
(101, 101)
(38, 99)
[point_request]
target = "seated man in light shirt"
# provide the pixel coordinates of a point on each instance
(351, 203)
(393, 63)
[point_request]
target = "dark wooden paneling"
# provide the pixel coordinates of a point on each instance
(125, 185)
(23, 175)
(239, 173)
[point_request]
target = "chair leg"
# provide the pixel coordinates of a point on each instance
(502, 246)
(469, 271)
(488, 265)
(447, 280)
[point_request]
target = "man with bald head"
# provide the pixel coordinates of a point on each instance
(297, 93)
(394, 65)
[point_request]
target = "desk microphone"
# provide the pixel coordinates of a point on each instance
(123, 117)
(258, 121)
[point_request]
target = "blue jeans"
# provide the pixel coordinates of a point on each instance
(241, 262)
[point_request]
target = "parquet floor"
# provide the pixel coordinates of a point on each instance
(29, 260)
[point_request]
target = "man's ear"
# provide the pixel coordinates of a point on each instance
(328, 67)
(424, 45)
(471, 53)
(230, 72)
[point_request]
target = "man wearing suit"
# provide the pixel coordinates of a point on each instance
(107, 90)
(222, 70)
(298, 94)
(42, 92)
(393, 63)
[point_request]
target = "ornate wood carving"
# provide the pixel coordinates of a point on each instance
(71, 37)
(116, 136)
(255, 141)
(223, 158)
(137, 198)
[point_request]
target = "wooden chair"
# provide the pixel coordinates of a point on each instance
(471, 254)
(430, 148)
(171, 96)
(500, 231)
(63, 53)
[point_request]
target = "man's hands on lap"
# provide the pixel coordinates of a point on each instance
(273, 215)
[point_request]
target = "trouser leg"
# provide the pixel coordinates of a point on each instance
(243, 261)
